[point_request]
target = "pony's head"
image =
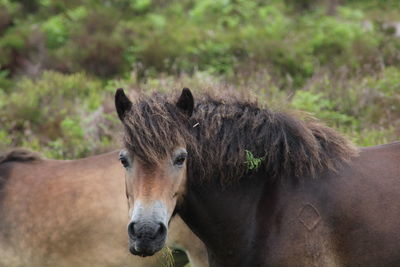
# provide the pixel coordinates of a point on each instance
(154, 157)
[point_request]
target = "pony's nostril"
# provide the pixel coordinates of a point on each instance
(131, 229)
(161, 231)
(141, 231)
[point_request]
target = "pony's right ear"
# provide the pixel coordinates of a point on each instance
(186, 102)
(122, 103)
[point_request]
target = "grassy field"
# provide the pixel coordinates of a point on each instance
(61, 61)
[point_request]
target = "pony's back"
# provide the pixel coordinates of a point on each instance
(64, 213)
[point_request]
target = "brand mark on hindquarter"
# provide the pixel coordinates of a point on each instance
(309, 216)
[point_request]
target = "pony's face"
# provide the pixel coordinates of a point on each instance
(152, 194)
(155, 181)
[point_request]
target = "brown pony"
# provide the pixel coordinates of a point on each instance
(72, 213)
(260, 188)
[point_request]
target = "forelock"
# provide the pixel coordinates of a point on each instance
(153, 128)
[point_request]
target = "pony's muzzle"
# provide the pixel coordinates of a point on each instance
(151, 231)
(147, 229)
(146, 238)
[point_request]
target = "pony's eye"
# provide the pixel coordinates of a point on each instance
(123, 157)
(124, 162)
(179, 160)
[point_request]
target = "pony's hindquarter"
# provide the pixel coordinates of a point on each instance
(367, 197)
(344, 218)
(59, 214)
(65, 213)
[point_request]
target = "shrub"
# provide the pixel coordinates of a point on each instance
(52, 113)
(56, 31)
(95, 47)
(322, 107)
(342, 68)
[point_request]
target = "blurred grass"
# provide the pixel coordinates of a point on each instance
(60, 62)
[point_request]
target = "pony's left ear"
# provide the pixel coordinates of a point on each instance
(122, 103)
(186, 102)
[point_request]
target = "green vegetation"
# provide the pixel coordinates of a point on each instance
(60, 62)
(167, 254)
(252, 162)
(57, 114)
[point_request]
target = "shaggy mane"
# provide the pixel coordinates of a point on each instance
(220, 131)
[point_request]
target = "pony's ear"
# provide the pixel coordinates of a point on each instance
(122, 103)
(186, 102)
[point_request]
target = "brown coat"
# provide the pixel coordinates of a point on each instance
(72, 213)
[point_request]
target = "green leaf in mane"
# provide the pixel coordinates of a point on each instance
(252, 162)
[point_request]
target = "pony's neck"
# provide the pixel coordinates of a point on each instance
(227, 220)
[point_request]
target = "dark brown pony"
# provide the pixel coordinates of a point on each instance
(260, 188)
(72, 213)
